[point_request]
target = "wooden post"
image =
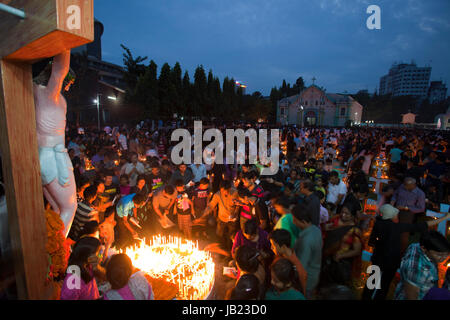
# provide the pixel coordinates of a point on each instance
(50, 27)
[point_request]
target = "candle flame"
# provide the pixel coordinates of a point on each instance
(88, 164)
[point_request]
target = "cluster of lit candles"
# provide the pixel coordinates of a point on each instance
(284, 147)
(88, 164)
(382, 166)
(177, 261)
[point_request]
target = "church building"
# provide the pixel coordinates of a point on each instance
(315, 107)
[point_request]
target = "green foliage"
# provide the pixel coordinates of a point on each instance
(205, 97)
(134, 68)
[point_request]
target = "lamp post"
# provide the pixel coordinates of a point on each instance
(301, 115)
(97, 101)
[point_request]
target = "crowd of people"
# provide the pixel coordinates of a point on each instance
(295, 235)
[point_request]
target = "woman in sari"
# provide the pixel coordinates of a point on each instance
(342, 248)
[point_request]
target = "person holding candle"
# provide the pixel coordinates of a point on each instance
(184, 208)
(126, 209)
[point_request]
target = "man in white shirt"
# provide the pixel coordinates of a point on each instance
(337, 189)
(133, 169)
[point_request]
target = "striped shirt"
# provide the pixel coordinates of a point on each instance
(83, 215)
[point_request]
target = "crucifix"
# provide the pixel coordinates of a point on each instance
(31, 30)
(314, 79)
(378, 181)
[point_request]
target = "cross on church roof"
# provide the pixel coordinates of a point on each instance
(314, 79)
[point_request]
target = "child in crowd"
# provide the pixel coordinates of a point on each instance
(125, 187)
(285, 281)
(201, 197)
(107, 231)
(324, 215)
(184, 208)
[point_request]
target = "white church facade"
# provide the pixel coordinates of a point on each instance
(315, 107)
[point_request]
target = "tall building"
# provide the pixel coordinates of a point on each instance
(314, 107)
(239, 84)
(406, 80)
(109, 73)
(104, 81)
(437, 92)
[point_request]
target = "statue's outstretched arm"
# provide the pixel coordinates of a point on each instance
(60, 68)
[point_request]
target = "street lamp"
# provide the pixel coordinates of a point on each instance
(97, 101)
(301, 116)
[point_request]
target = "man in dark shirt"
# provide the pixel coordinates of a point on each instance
(110, 188)
(320, 171)
(354, 200)
(166, 171)
(155, 179)
(311, 201)
(184, 174)
(200, 197)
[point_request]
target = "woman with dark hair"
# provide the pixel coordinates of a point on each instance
(127, 283)
(246, 288)
(141, 186)
(285, 281)
(342, 248)
(79, 283)
(420, 158)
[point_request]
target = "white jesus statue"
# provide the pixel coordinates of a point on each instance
(56, 168)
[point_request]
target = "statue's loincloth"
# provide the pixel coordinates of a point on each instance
(55, 163)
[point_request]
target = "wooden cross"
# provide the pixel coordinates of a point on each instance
(49, 28)
(378, 181)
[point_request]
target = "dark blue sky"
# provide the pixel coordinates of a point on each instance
(262, 42)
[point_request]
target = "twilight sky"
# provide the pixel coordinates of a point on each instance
(262, 42)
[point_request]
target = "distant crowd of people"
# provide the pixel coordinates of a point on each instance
(294, 235)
